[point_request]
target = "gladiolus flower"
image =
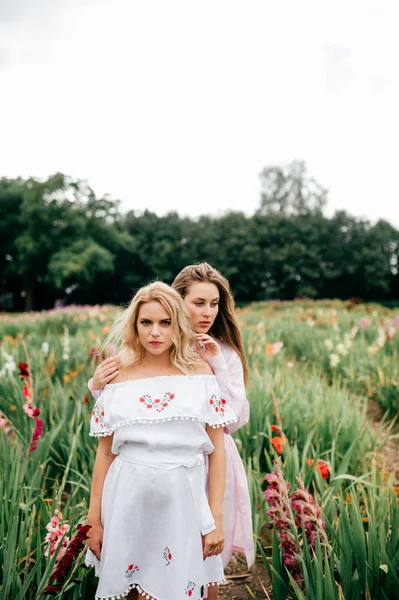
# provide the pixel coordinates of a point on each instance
(275, 428)
(323, 467)
(334, 360)
(73, 548)
(23, 370)
(278, 443)
(329, 345)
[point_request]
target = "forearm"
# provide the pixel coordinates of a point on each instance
(101, 466)
(217, 478)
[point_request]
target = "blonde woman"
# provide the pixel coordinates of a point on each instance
(155, 533)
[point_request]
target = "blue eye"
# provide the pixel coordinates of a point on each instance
(166, 323)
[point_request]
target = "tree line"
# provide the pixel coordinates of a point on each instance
(60, 242)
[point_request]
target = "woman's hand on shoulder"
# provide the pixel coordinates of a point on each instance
(207, 347)
(107, 371)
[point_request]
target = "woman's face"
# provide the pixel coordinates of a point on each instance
(202, 300)
(154, 327)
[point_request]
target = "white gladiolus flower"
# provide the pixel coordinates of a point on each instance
(381, 337)
(334, 360)
(66, 342)
(329, 345)
(341, 349)
(45, 348)
(9, 364)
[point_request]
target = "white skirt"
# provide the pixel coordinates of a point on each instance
(154, 517)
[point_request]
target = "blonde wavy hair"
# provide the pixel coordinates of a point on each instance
(124, 334)
(225, 326)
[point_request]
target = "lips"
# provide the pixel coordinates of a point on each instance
(156, 343)
(205, 323)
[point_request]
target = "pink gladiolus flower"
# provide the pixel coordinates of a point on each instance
(296, 518)
(37, 434)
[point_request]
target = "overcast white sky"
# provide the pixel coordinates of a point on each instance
(178, 105)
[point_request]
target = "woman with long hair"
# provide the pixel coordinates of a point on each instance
(155, 533)
(207, 295)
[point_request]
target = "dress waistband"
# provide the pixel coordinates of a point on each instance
(160, 460)
(194, 468)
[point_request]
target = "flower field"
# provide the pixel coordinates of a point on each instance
(325, 519)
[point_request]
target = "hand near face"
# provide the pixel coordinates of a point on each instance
(105, 372)
(206, 346)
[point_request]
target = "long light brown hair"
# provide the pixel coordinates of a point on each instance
(125, 336)
(225, 326)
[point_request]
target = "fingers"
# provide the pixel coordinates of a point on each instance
(213, 547)
(207, 547)
(108, 361)
(104, 368)
(96, 549)
(109, 371)
(111, 377)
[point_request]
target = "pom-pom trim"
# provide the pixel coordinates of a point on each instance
(164, 420)
(136, 586)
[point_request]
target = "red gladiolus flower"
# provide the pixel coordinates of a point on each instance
(23, 370)
(85, 400)
(278, 443)
(323, 467)
(275, 428)
(60, 573)
(52, 590)
(324, 470)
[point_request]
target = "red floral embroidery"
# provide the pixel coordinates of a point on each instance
(98, 415)
(190, 588)
(158, 404)
(167, 556)
(218, 404)
(131, 569)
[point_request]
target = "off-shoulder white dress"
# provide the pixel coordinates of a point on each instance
(154, 502)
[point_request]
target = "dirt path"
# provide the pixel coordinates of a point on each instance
(390, 453)
(240, 579)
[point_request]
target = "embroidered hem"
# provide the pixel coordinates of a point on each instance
(136, 586)
(150, 421)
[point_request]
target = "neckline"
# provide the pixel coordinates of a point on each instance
(157, 377)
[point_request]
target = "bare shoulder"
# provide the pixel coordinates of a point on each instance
(124, 375)
(119, 378)
(203, 368)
